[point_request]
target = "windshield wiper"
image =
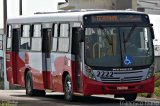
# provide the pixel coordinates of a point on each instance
(129, 34)
(125, 40)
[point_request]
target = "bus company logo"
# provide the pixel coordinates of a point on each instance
(122, 69)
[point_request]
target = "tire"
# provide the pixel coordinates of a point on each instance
(130, 97)
(29, 87)
(68, 89)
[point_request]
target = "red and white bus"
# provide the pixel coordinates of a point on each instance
(82, 53)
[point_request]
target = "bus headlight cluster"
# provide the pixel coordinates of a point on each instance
(89, 73)
(150, 72)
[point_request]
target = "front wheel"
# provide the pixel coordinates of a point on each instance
(68, 89)
(130, 97)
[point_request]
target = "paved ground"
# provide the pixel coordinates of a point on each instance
(18, 98)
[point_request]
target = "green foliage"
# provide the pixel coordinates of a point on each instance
(143, 94)
(157, 87)
(157, 91)
(157, 75)
(157, 83)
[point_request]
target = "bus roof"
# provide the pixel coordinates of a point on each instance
(62, 16)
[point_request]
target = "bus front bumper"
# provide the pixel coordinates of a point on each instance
(91, 87)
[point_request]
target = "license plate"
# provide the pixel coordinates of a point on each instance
(122, 88)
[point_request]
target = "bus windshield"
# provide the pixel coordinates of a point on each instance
(118, 46)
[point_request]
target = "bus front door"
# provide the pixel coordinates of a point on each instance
(15, 54)
(77, 51)
(46, 59)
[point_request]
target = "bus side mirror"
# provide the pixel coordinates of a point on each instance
(81, 35)
(152, 32)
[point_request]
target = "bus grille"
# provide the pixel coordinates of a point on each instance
(122, 76)
(122, 79)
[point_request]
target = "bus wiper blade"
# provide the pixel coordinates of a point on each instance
(129, 34)
(124, 42)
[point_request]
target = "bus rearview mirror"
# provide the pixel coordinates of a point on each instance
(152, 33)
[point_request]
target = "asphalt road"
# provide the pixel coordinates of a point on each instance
(18, 98)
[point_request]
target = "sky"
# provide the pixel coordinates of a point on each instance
(29, 7)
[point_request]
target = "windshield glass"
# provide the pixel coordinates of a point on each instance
(118, 46)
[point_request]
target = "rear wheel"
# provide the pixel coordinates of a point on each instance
(130, 97)
(68, 89)
(29, 87)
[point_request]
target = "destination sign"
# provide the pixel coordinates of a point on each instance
(116, 18)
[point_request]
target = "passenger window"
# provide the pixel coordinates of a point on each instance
(36, 44)
(37, 30)
(54, 44)
(25, 44)
(9, 39)
(25, 39)
(9, 33)
(54, 39)
(26, 31)
(63, 40)
(55, 30)
(36, 39)
(64, 30)
(63, 44)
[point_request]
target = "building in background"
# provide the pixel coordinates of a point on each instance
(149, 6)
(1, 31)
(98, 4)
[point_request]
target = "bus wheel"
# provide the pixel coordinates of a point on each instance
(29, 85)
(68, 88)
(130, 97)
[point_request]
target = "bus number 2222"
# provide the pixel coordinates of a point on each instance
(105, 74)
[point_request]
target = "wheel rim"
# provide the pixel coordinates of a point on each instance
(29, 86)
(68, 88)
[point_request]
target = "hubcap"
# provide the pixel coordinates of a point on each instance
(68, 88)
(29, 86)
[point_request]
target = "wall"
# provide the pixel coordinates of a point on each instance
(1, 31)
(157, 63)
(149, 6)
(101, 4)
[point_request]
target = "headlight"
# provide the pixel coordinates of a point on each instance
(150, 72)
(89, 73)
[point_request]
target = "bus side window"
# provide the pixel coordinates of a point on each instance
(25, 39)
(63, 40)
(9, 37)
(36, 44)
(55, 35)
